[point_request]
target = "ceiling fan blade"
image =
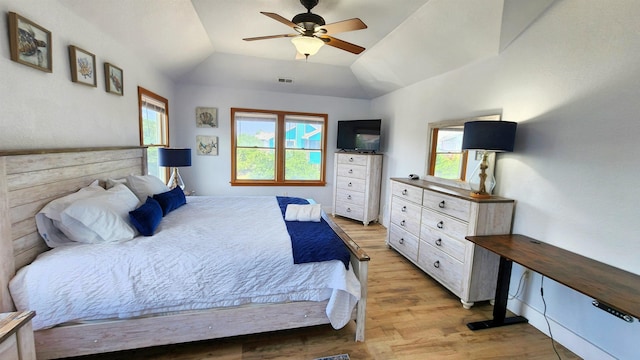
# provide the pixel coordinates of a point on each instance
(270, 37)
(342, 26)
(341, 44)
(281, 19)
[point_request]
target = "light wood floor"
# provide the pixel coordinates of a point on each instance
(409, 316)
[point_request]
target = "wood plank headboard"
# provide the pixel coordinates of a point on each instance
(30, 179)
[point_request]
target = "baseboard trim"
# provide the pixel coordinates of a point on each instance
(572, 341)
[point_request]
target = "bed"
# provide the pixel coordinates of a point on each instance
(31, 179)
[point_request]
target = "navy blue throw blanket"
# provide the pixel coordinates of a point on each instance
(313, 241)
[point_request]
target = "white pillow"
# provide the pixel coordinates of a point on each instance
(113, 182)
(310, 212)
(101, 218)
(146, 185)
(50, 215)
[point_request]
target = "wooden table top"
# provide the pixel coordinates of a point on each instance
(605, 283)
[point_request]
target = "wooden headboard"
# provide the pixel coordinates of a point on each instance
(30, 179)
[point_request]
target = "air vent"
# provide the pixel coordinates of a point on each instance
(285, 80)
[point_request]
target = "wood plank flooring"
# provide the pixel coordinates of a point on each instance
(409, 316)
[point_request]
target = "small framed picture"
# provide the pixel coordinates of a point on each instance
(207, 145)
(29, 43)
(83, 66)
(207, 117)
(113, 79)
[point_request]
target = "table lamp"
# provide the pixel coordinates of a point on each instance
(174, 158)
(487, 137)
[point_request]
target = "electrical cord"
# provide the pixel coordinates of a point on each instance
(544, 313)
(524, 274)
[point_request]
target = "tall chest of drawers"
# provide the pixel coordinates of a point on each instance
(356, 190)
(428, 223)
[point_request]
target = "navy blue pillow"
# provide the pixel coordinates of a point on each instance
(147, 217)
(170, 200)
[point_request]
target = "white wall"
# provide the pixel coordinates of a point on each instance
(47, 110)
(210, 175)
(571, 82)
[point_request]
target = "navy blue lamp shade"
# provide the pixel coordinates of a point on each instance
(168, 157)
(174, 158)
(498, 136)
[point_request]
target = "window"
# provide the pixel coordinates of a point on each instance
(154, 129)
(448, 161)
(277, 148)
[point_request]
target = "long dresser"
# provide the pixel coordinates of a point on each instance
(428, 223)
(356, 191)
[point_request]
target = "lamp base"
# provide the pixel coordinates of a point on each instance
(175, 180)
(477, 195)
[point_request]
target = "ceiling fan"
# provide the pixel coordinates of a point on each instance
(312, 32)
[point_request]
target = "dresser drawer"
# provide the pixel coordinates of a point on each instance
(406, 215)
(450, 226)
(352, 171)
(352, 159)
(447, 270)
(408, 192)
(404, 242)
(350, 196)
(458, 208)
(349, 210)
(455, 248)
(350, 184)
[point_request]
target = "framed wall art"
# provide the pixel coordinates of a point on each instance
(113, 79)
(29, 43)
(207, 117)
(207, 145)
(83, 66)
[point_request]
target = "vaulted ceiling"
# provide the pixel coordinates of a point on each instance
(200, 41)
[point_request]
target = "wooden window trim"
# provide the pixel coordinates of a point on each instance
(279, 150)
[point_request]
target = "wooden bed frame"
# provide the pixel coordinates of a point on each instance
(30, 179)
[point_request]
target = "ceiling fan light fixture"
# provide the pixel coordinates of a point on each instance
(307, 45)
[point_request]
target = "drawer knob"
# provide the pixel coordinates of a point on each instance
(436, 264)
(404, 209)
(401, 241)
(348, 209)
(404, 192)
(350, 185)
(349, 197)
(350, 171)
(350, 159)
(441, 204)
(402, 223)
(439, 242)
(440, 225)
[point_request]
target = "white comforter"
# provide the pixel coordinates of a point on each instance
(214, 251)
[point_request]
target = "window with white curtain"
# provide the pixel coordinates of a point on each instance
(154, 128)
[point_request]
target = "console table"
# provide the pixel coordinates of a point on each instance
(611, 287)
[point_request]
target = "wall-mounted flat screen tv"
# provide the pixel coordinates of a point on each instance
(359, 135)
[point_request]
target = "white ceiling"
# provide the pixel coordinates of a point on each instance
(200, 41)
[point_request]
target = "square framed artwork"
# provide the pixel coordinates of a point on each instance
(29, 43)
(83, 66)
(113, 79)
(207, 117)
(207, 145)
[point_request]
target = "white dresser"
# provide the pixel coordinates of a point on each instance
(428, 223)
(356, 186)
